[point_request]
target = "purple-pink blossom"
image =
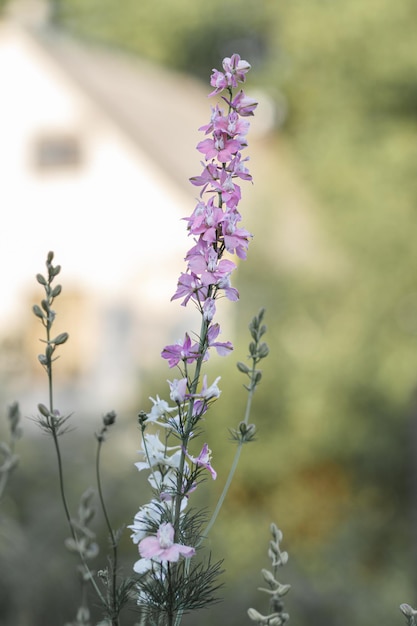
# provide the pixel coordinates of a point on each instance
(242, 104)
(185, 351)
(204, 460)
(220, 146)
(235, 70)
(162, 547)
(189, 287)
(223, 348)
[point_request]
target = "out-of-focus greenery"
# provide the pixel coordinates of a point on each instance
(334, 464)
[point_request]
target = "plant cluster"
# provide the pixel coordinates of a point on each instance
(171, 576)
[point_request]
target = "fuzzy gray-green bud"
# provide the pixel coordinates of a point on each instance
(43, 410)
(38, 311)
(263, 350)
(242, 367)
(62, 338)
(41, 280)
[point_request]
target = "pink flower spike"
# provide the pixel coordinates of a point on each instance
(162, 547)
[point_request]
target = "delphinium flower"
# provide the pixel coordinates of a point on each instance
(165, 531)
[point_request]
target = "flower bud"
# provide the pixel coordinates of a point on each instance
(109, 418)
(41, 280)
(263, 350)
(62, 338)
(37, 311)
(257, 377)
(276, 533)
(269, 577)
(245, 432)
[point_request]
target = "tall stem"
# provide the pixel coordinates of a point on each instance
(114, 617)
(188, 423)
(234, 465)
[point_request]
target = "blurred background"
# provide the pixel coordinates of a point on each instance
(99, 108)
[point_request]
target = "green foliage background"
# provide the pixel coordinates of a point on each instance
(334, 464)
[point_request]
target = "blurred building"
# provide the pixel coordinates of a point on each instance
(95, 154)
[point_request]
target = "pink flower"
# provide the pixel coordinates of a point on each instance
(230, 192)
(162, 547)
(237, 167)
(235, 69)
(205, 220)
(209, 309)
(209, 174)
(221, 147)
(189, 286)
(222, 348)
(242, 104)
(235, 239)
(204, 260)
(219, 81)
(185, 351)
(216, 120)
(203, 460)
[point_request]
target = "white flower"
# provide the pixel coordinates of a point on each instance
(209, 393)
(150, 512)
(155, 453)
(160, 409)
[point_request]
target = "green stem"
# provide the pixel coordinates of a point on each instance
(114, 618)
(235, 461)
(55, 437)
(61, 484)
(188, 425)
(230, 476)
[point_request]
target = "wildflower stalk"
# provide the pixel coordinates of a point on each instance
(162, 529)
(50, 419)
(275, 590)
(113, 607)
